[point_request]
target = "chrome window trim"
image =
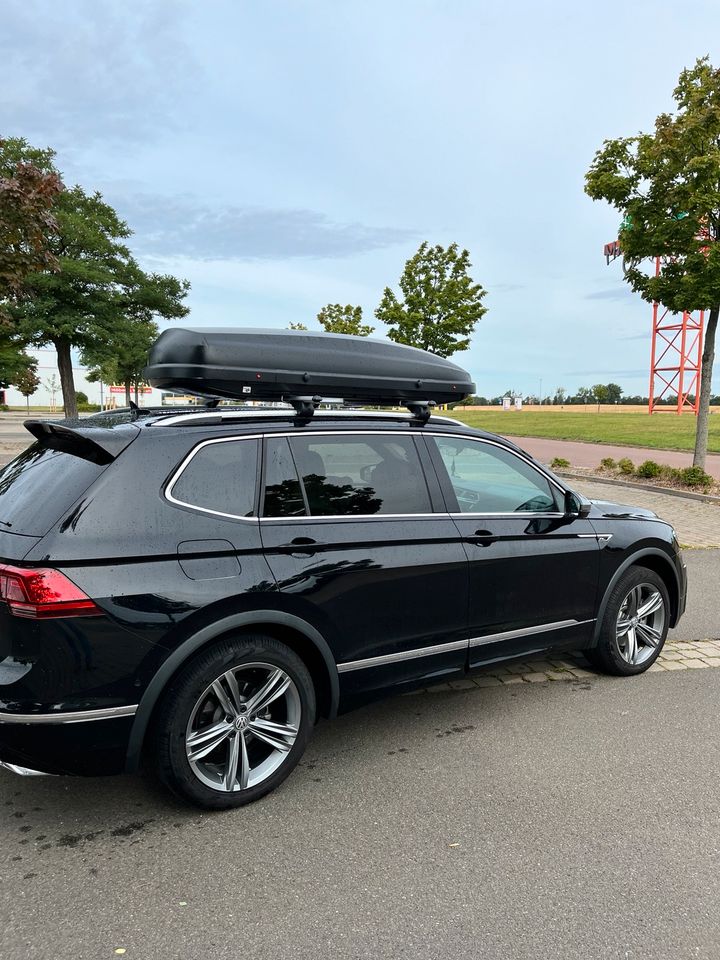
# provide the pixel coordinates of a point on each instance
(74, 716)
(185, 463)
(350, 665)
(358, 516)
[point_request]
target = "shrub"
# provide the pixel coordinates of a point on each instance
(695, 477)
(670, 473)
(649, 469)
(607, 463)
(559, 463)
(626, 466)
(81, 398)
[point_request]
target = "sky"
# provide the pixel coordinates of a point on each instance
(285, 154)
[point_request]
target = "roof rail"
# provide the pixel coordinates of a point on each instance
(220, 414)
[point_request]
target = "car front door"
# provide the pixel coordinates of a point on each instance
(533, 568)
(357, 537)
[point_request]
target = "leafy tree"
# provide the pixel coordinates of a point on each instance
(560, 395)
(297, 326)
(98, 285)
(440, 303)
(122, 356)
(27, 383)
(584, 395)
(665, 185)
(614, 392)
(600, 393)
(334, 318)
(29, 187)
(14, 362)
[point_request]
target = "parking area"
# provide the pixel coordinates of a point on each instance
(548, 819)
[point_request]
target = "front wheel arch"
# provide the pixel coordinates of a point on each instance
(655, 560)
(299, 635)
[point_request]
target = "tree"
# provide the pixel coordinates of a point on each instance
(98, 285)
(334, 318)
(560, 395)
(441, 304)
(614, 392)
(297, 326)
(665, 185)
(29, 187)
(584, 395)
(14, 362)
(600, 394)
(27, 383)
(122, 356)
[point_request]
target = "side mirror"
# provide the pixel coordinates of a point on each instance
(575, 506)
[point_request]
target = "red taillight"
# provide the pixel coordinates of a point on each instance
(41, 594)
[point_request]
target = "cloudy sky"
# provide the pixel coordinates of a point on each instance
(288, 153)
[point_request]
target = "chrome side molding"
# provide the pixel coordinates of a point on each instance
(75, 716)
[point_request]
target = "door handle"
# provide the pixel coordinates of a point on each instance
(302, 546)
(483, 538)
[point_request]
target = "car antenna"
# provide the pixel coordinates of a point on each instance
(134, 410)
(212, 402)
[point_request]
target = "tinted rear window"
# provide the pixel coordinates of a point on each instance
(220, 478)
(39, 486)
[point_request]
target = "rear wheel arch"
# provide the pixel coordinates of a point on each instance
(297, 634)
(655, 560)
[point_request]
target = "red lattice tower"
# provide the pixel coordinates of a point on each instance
(676, 351)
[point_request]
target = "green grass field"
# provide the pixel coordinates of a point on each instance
(661, 431)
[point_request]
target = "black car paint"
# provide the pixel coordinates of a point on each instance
(168, 577)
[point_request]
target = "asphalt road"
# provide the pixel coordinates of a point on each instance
(559, 820)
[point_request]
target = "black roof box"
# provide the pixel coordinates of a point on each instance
(274, 364)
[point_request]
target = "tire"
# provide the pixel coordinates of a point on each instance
(217, 743)
(628, 644)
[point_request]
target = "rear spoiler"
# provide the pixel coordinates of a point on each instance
(98, 444)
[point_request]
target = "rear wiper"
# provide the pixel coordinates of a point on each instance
(5, 523)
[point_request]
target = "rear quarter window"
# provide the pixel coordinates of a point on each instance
(219, 478)
(40, 485)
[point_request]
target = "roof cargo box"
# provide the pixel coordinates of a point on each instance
(274, 364)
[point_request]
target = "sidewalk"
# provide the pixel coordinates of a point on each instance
(590, 454)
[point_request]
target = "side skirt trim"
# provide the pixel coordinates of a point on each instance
(527, 631)
(76, 716)
(457, 645)
(402, 655)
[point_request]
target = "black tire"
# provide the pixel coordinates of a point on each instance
(609, 655)
(246, 657)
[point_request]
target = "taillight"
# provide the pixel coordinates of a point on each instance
(41, 594)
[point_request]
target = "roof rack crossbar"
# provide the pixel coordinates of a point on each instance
(421, 409)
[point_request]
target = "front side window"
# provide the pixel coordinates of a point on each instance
(220, 478)
(490, 479)
(345, 476)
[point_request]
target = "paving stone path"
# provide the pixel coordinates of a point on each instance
(697, 522)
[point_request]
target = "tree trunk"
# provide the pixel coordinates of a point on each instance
(127, 393)
(27, 402)
(67, 382)
(703, 418)
(137, 401)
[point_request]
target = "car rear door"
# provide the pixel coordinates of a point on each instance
(533, 569)
(356, 534)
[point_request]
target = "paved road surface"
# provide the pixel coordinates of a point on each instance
(590, 454)
(552, 820)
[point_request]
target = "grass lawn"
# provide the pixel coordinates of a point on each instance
(661, 431)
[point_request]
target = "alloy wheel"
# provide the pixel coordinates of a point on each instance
(640, 623)
(243, 727)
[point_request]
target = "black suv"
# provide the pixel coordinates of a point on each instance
(198, 588)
